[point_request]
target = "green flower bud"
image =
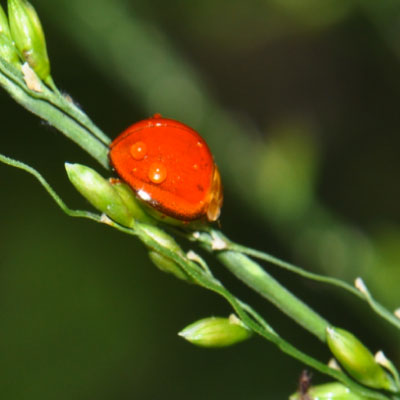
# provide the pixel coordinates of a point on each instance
(329, 391)
(27, 33)
(4, 27)
(167, 265)
(162, 238)
(357, 360)
(131, 202)
(8, 52)
(216, 332)
(99, 192)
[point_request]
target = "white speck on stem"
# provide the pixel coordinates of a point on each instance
(381, 359)
(105, 220)
(360, 285)
(196, 235)
(330, 331)
(192, 256)
(31, 79)
(332, 363)
(233, 319)
(217, 242)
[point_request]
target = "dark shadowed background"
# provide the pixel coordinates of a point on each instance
(299, 101)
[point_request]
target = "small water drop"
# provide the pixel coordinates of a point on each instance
(138, 150)
(157, 173)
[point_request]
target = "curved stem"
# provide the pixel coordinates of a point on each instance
(252, 319)
(71, 121)
(72, 213)
(205, 279)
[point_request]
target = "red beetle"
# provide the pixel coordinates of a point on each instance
(170, 167)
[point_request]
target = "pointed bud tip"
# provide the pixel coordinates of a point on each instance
(332, 363)
(380, 358)
(70, 167)
(360, 285)
(183, 334)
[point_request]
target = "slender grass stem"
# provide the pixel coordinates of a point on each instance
(204, 278)
(64, 115)
(253, 275)
(55, 116)
(363, 294)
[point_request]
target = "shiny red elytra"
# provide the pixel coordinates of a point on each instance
(170, 167)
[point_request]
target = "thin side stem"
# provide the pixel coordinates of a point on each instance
(363, 294)
(72, 213)
(205, 279)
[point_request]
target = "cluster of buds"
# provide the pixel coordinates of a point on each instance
(116, 200)
(22, 39)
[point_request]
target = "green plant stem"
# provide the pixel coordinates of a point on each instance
(254, 276)
(68, 106)
(365, 295)
(72, 213)
(204, 278)
(72, 129)
(71, 121)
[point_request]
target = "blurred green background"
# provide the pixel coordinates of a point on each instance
(299, 103)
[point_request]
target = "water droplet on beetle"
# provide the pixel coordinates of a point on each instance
(138, 150)
(157, 173)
